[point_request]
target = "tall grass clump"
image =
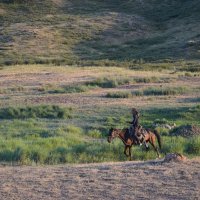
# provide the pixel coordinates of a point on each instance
(173, 144)
(70, 89)
(192, 114)
(29, 148)
(94, 133)
(155, 91)
(41, 111)
(193, 146)
(109, 82)
(119, 94)
(104, 83)
(147, 80)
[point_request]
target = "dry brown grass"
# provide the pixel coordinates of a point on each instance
(2, 11)
(127, 180)
(36, 77)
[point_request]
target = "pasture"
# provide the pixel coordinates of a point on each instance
(70, 71)
(62, 114)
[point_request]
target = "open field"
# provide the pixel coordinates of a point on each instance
(25, 85)
(62, 114)
(127, 180)
(70, 70)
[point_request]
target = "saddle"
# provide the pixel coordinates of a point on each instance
(137, 134)
(141, 131)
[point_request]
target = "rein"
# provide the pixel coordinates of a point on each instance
(119, 136)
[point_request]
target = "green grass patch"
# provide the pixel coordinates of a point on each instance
(105, 82)
(188, 146)
(55, 141)
(95, 133)
(108, 82)
(38, 142)
(42, 111)
(193, 146)
(119, 94)
(70, 89)
(149, 80)
(158, 91)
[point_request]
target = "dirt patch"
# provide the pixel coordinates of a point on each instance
(186, 131)
(125, 180)
(2, 11)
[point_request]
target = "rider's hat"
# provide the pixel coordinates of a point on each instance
(134, 111)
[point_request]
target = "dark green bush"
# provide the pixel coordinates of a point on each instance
(69, 89)
(118, 95)
(193, 146)
(16, 1)
(104, 83)
(162, 91)
(42, 111)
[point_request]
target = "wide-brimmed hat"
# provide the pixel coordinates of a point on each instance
(134, 111)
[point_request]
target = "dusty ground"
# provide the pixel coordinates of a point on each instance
(127, 180)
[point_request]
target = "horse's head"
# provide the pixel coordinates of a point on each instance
(113, 133)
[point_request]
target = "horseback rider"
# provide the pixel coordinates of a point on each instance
(136, 131)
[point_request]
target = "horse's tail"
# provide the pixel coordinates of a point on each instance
(158, 138)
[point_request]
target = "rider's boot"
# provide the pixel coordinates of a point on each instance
(145, 143)
(138, 141)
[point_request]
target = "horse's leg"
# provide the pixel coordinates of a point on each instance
(146, 141)
(152, 142)
(147, 146)
(125, 151)
(129, 153)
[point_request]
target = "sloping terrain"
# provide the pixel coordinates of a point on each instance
(127, 180)
(98, 32)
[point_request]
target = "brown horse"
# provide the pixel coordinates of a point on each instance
(124, 135)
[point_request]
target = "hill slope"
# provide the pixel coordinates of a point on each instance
(93, 31)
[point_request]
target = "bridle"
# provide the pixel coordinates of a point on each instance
(117, 134)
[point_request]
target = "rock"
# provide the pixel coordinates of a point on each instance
(167, 126)
(186, 131)
(174, 157)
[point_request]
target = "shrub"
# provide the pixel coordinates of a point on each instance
(104, 83)
(42, 111)
(147, 80)
(193, 146)
(162, 91)
(70, 89)
(138, 93)
(94, 133)
(118, 95)
(109, 82)
(173, 144)
(188, 74)
(16, 1)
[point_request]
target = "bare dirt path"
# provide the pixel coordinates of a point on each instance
(127, 180)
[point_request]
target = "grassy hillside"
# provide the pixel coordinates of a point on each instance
(96, 32)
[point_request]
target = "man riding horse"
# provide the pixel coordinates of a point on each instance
(135, 135)
(136, 131)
